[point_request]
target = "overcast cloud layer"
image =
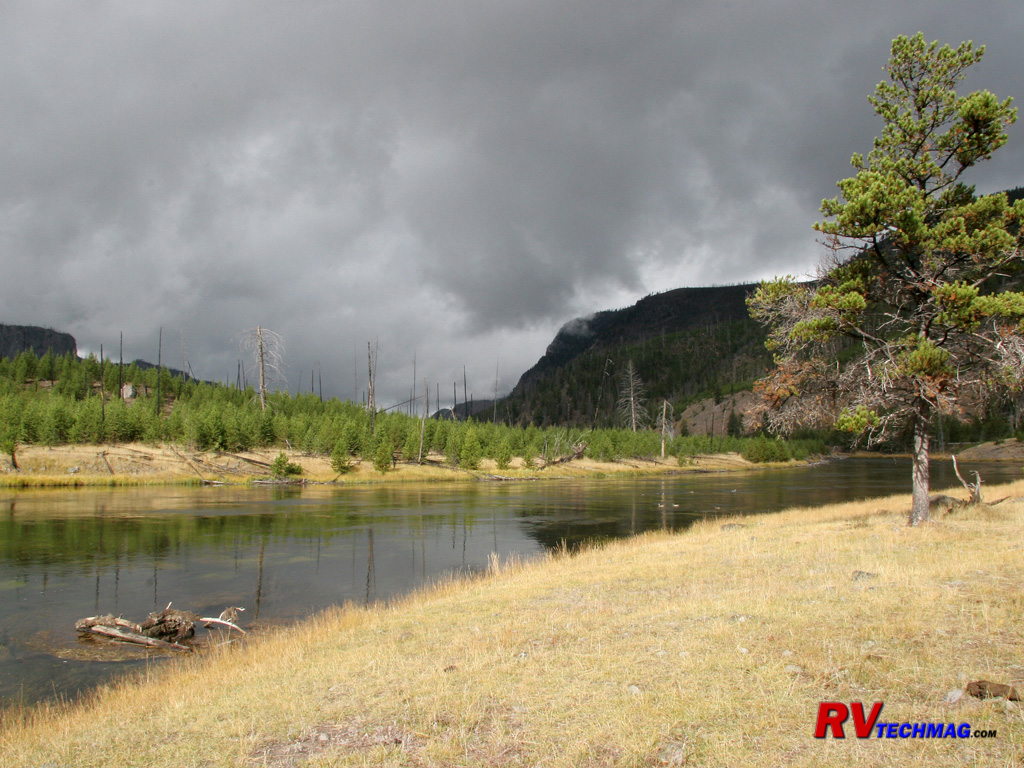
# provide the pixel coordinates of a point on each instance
(453, 180)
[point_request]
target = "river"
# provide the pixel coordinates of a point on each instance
(283, 553)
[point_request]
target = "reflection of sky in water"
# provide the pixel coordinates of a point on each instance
(285, 553)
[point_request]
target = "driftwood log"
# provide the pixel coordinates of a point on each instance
(576, 449)
(162, 629)
(170, 624)
(124, 630)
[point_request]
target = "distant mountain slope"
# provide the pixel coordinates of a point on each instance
(15, 339)
(681, 343)
(682, 309)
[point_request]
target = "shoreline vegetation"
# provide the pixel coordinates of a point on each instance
(710, 646)
(110, 417)
(67, 421)
(142, 464)
(138, 464)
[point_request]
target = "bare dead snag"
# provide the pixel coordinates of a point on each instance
(973, 489)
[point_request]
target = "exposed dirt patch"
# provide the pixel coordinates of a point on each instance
(1001, 450)
(335, 737)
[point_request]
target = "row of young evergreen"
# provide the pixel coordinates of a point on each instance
(56, 400)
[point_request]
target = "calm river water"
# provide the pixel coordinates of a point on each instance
(284, 553)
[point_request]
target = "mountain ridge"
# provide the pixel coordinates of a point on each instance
(674, 311)
(15, 339)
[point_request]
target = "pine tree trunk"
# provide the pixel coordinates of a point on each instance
(919, 512)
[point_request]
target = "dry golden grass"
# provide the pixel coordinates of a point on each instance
(709, 647)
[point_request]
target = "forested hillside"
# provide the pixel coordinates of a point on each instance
(681, 343)
(53, 400)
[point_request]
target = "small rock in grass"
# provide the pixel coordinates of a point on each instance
(673, 755)
(985, 689)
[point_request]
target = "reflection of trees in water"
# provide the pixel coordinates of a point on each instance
(371, 576)
(259, 578)
(88, 540)
(419, 537)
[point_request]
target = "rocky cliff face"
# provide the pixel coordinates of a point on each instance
(15, 339)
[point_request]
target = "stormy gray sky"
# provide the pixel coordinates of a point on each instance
(452, 180)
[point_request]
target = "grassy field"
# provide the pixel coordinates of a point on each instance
(710, 647)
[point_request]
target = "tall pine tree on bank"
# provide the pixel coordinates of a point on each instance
(909, 316)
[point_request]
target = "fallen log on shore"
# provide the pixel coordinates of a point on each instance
(170, 624)
(164, 629)
(126, 631)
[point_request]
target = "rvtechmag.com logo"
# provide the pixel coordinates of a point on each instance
(833, 715)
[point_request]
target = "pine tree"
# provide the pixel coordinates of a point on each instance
(912, 292)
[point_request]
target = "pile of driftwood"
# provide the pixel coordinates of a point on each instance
(164, 629)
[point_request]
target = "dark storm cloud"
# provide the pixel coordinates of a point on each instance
(453, 179)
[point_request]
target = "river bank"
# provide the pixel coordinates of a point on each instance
(144, 464)
(713, 646)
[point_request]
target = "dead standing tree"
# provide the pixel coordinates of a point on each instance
(267, 349)
(371, 362)
(631, 406)
(666, 424)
